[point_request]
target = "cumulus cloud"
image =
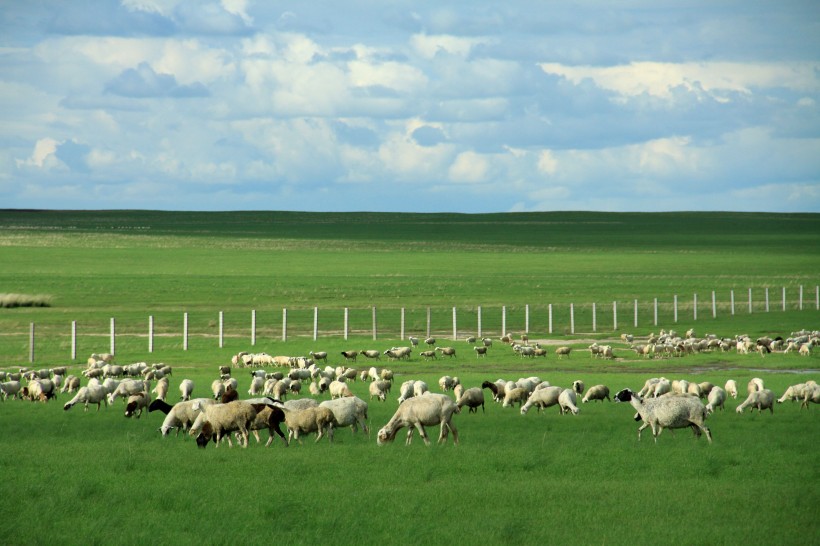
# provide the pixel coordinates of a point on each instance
(143, 82)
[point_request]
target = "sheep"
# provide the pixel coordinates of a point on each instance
(93, 393)
(754, 384)
(578, 386)
(470, 340)
(231, 383)
(318, 419)
(217, 421)
(186, 389)
(515, 395)
(257, 386)
(731, 388)
(446, 383)
(762, 399)
(811, 394)
(480, 351)
(419, 388)
(339, 389)
(39, 389)
(386, 374)
(348, 412)
(794, 392)
(498, 394)
(416, 413)
(217, 388)
(10, 388)
(225, 370)
(229, 395)
(379, 389)
(350, 355)
(472, 398)
(180, 416)
(71, 384)
(447, 351)
(487, 342)
(127, 387)
(805, 349)
(596, 392)
(414, 341)
(705, 388)
(270, 417)
(542, 398)
(664, 386)
(428, 355)
(399, 353)
(671, 411)
(371, 354)
(458, 390)
(649, 387)
(563, 351)
(161, 389)
(136, 403)
(430, 341)
(320, 355)
(716, 399)
(406, 390)
(567, 401)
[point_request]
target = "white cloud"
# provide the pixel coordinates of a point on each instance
(429, 46)
(469, 167)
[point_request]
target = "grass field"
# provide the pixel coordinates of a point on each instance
(512, 479)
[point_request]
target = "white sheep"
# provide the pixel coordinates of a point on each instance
(180, 416)
(596, 392)
(754, 384)
(671, 411)
(186, 389)
(218, 421)
(217, 388)
(811, 394)
(472, 398)
(127, 387)
(379, 389)
(447, 351)
(542, 398)
(716, 399)
(10, 388)
(419, 388)
(567, 402)
(731, 388)
(348, 412)
(406, 390)
(446, 383)
(512, 396)
(71, 384)
(257, 386)
(93, 393)
(664, 386)
(794, 392)
(161, 389)
(578, 386)
(318, 419)
(762, 399)
(339, 389)
(416, 413)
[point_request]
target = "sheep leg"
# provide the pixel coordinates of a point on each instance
(423, 433)
(409, 439)
(641, 429)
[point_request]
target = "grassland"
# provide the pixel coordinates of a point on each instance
(512, 479)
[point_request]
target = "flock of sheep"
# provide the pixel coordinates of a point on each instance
(660, 404)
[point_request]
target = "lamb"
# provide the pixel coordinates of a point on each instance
(416, 413)
(161, 389)
(180, 416)
(731, 388)
(93, 393)
(428, 355)
(671, 411)
(379, 389)
(716, 398)
(319, 419)
(186, 389)
(136, 403)
(596, 392)
(762, 399)
(472, 398)
(348, 412)
(219, 420)
(515, 395)
(566, 402)
(542, 398)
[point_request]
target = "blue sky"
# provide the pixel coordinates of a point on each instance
(465, 106)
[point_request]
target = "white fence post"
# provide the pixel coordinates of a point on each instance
(594, 319)
(695, 307)
(402, 323)
(550, 311)
(253, 327)
(185, 331)
(636, 313)
(656, 311)
(73, 340)
(221, 329)
(31, 342)
(615, 316)
(527, 319)
(676, 307)
(113, 337)
(503, 320)
(750, 301)
(375, 328)
(714, 305)
(284, 324)
(817, 297)
(784, 298)
(767, 299)
(571, 318)
(429, 318)
(480, 334)
(732, 299)
(801, 297)
(455, 325)
(346, 323)
(151, 334)
(315, 323)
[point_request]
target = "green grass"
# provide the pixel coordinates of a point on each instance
(513, 479)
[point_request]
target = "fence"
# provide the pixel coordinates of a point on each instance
(403, 327)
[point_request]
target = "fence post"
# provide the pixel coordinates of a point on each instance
(503, 320)
(253, 327)
(347, 315)
(73, 340)
(428, 321)
(375, 329)
(695, 307)
(615, 316)
(550, 311)
(594, 319)
(185, 331)
(714, 305)
(656, 311)
(784, 298)
(636, 313)
(221, 328)
(402, 323)
(455, 325)
(113, 337)
(151, 333)
(31, 343)
(676, 307)
(479, 323)
(315, 323)
(767, 299)
(801, 297)
(571, 318)
(817, 297)
(750, 300)
(284, 324)
(732, 299)
(527, 319)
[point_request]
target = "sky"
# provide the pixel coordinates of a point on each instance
(407, 106)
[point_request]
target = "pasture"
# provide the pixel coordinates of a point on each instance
(512, 479)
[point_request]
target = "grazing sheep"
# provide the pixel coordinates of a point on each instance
(229, 395)
(320, 355)
(515, 395)
(498, 394)
(339, 389)
(430, 341)
(705, 388)
(447, 351)
(270, 417)
(596, 392)
(731, 388)
(93, 393)
(664, 386)
(812, 394)
(372, 354)
(11, 388)
(419, 388)
(406, 390)
(578, 386)
(136, 403)
(487, 342)
(180, 416)
(470, 340)
(542, 398)
(348, 412)
(446, 383)
(217, 388)
(428, 355)
(416, 413)
(480, 351)
(379, 389)
(458, 390)
(563, 351)
(71, 384)
(186, 389)
(754, 384)
(161, 390)
(127, 387)
(472, 398)
(350, 355)
(257, 386)
(795, 392)
(567, 402)
(716, 399)
(414, 341)
(39, 390)
(649, 387)
(386, 374)
(318, 419)
(218, 421)
(762, 399)
(672, 411)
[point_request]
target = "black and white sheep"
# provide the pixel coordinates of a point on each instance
(136, 403)
(671, 411)
(416, 413)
